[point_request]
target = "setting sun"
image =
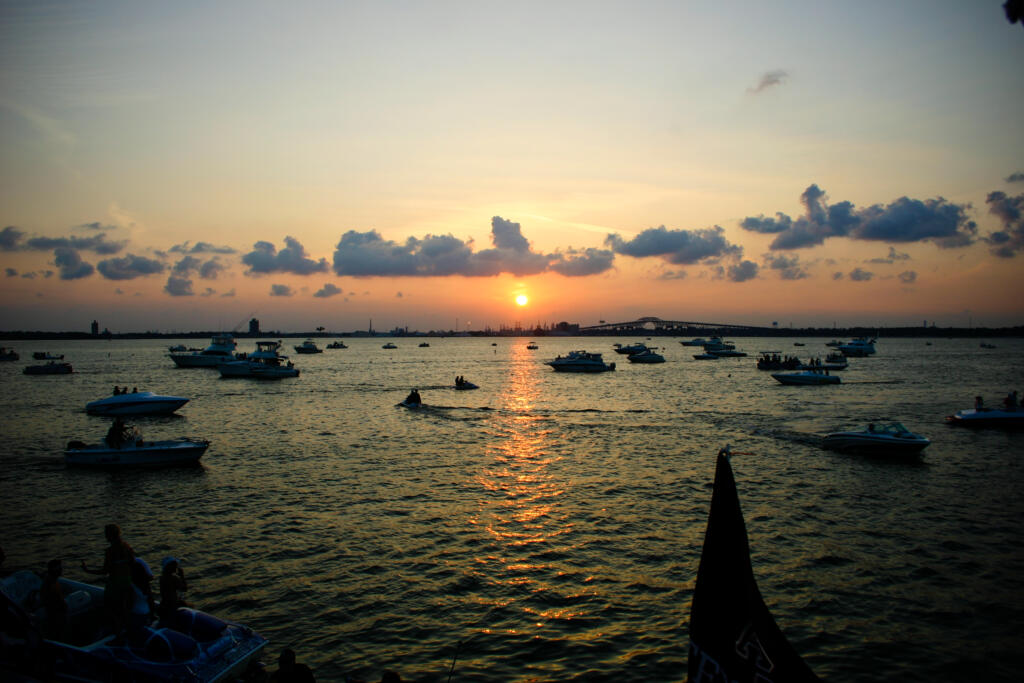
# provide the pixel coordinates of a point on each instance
(522, 300)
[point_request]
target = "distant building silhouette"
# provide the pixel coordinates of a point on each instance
(254, 327)
(95, 328)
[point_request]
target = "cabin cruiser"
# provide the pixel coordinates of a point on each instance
(698, 341)
(51, 368)
(858, 348)
(308, 346)
(188, 646)
(631, 349)
(646, 356)
(725, 353)
(998, 418)
(135, 403)
(263, 363)
(892, 438)
(716, 344)
(580, 361)
(220, 350)
(8, 354)
(805, 377)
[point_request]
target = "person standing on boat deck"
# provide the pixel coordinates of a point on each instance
(978, 403)
(52, 596)
(117, 566)
(142, 602)
(172, 585)
(117, 434)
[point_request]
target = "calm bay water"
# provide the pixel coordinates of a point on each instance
(546, 526)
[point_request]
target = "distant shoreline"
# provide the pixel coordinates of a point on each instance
(832, 333)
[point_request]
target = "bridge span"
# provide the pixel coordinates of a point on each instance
(678, 327)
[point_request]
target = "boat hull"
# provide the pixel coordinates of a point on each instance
(143, 403)
(49, 369)
(804, 379)
(580, 367)
(196, 360)
(862, 442)
(988, 419)
(150, 454)
(255, 370)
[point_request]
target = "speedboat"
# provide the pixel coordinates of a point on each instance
(136, 403)
(532, 346)
(806, 377)
(337, 345)
(698, 341)
(858, 348)
(136, 452)
(44, 355)
(389, 345)
(892, 438)
(189, 646)
(308, 346)
(465, 386)
(631, 349)
(646, 356)
(999, 418)
(51, 368)
(8, 354)
(424, 345)
(263, 363)
(580, 361)
(220, 350)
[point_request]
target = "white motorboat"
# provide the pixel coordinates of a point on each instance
(646, 356)
(135, 403)
(220, 350)
(988, 418)
(804, 378)
(308, 346)
(892, 438)
(697, 341)
(858, 348)
(188, 646)
(136, 452)
(639, 347)
(263, 363)
(580, 361)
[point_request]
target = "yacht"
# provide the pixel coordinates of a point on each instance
(580, 361)
(858, 348)
(135, 403)
(220, 350)
(263, 363)
(308, 346)
(892, 438)
(631, 349)
(389, 345)
(646, 356)
(698, 341)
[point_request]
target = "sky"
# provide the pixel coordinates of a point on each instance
(190, 165)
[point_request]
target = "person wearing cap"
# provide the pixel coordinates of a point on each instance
(172, 586)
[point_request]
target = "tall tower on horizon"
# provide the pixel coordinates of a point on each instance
(95, 328)
(254, 327)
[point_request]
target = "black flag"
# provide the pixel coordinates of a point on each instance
(733, 637)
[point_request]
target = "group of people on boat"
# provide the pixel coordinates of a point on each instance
(773, 361)
(120, 433)
(413, 399)
(118, 391)
(460, 381)
(1010, 403)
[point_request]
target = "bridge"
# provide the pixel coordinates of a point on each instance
(671, 327)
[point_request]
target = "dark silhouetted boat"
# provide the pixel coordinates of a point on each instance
(733, 636)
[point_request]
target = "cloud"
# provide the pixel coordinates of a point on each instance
(200, 248)
(673, 275)
(209, 292)
(11, 272)
(904, 220)
(96, 243)
(891, 258)
(398, 295)
(70, 263)
(1017, 177)
(95, 225)
(679, 247)
(859, 275)
(211, 269)
(208, 270)
(907, 277)
(264, 258)
(742, 271)
(129, 267)
(32, 276)
(1010, 210)
(178, 286)
(582, 262)
(229, 293)
(10, 237)
(328, 290)
(768, 80)
(788, 266)
(280, 290)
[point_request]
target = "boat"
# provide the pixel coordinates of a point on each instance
(733, 635)
(337, 345)
(308, 346)
(263, 363)
(805, 377)
(580, 361)
(463, 385)
(630, 349)
(705, 356)
(726, 353)
(858, 348)
(136, 452)
(773, 360)
(51, 368)
(424, 345)
(986, 345)
(177, 348)
(220, 350)
(716, 344)
(532, 346)
(835, 343)
(994, 418)
(799, 344)
(389, 345)
(44, 355)
(646, 356)
(135, 403)
(697, 341)
(8, 354)
(892, 439)
(189, 646)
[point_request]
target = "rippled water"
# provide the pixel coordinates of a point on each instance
(547, 526)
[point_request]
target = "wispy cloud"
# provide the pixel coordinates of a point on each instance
(769, 79)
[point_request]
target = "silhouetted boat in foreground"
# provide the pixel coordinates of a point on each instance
(733, 636)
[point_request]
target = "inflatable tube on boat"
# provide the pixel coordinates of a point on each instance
(167, 645)
(200, 625)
